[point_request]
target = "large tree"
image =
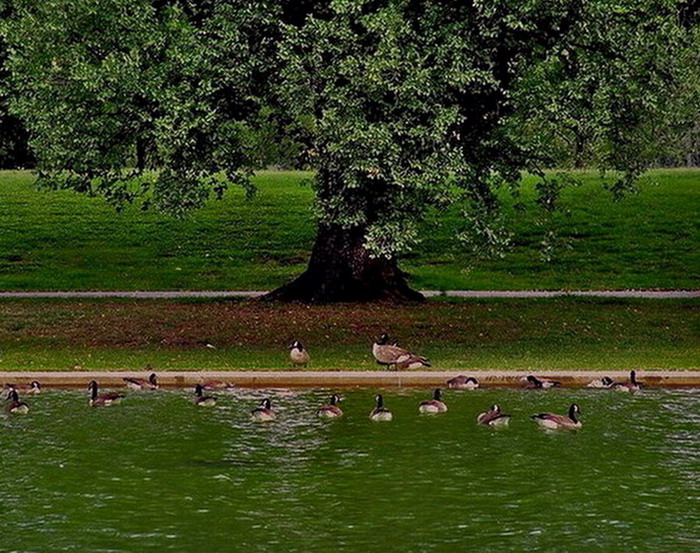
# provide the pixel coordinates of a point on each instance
(404, 106)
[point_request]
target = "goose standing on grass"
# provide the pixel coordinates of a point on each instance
(298, 355)
(605, 382)
(264, 412)
(380, 413)
(551, 421)
(141, 383)
(14, 405)
(534, 383)
(493, 417)
(462, 382)
(392, 355)
(200, 400)
(330, 411)
(433, 406)
(102, 400)
(631, 385)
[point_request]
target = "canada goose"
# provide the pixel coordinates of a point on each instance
(264, 412)
(631, 385)
(216, 385)
(201, 400)
(462, 382)
(380, 413)
(298, 355)
(330, 411)
(14, 405)
(391, 354)
(554, 422)
(534, 383)
(493, 417)
(99, 400)
(605, 382)
(433, 406)
(412, 362)
(34, 387)
(141, 383)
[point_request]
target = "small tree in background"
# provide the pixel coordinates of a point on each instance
(404, 106)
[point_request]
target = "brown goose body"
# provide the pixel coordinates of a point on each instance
(102, 400)
(604, 382)
(493, 417)
(216, 385)
(200, 400)
(150, 383)
(398, 357)
(463, 382)
(298, 355)
(14, 405)
(331, 410)
(631, 385)
(264, 412)
(412, 362)
(433, 406)
(534, 383)
(380, 413)
(552, 421)
(33, 388)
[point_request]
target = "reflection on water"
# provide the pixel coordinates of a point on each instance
(156, 473)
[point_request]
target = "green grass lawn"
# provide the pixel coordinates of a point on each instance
(61, 240)
(514, 334)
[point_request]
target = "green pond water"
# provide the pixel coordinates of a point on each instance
(157, 473)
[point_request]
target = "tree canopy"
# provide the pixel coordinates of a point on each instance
(403, 106)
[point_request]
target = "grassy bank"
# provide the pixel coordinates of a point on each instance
(542, 334)
(65, 241)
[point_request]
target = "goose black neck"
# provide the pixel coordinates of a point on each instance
(572, 413)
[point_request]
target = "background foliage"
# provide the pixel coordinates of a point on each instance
(404, 107)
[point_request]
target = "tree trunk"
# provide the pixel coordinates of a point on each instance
(341, 269)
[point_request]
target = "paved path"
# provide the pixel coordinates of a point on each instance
(340, 379)
(182, 294)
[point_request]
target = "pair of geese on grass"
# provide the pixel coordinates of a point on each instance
(386, 354)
